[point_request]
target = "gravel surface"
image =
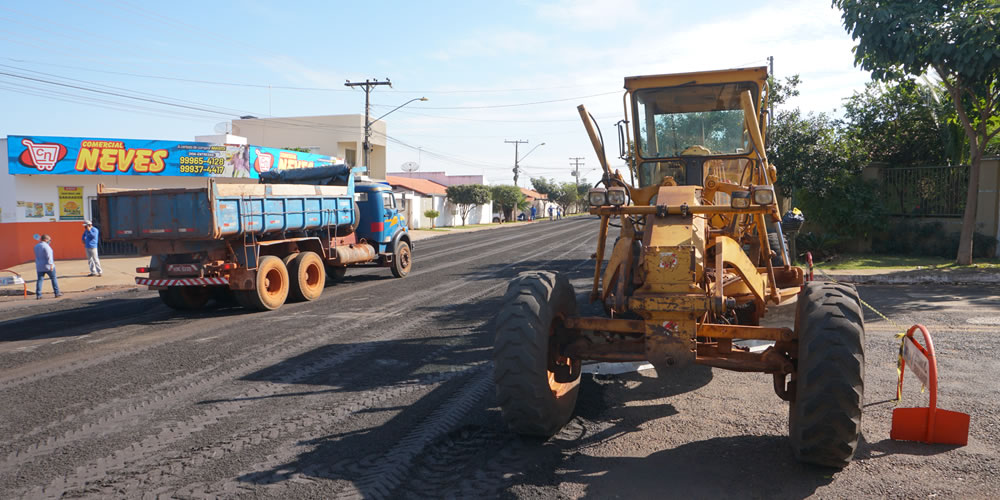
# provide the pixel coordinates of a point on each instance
(383, 388)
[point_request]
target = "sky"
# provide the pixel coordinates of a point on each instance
(491, 71)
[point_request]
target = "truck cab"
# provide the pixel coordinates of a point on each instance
(382, 225)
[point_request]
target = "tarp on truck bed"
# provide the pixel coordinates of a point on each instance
(333, 175)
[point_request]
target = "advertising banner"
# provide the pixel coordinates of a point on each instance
(86, 156)
(70, 203)
(265, 159)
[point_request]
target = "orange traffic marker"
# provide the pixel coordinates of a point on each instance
(929, 425)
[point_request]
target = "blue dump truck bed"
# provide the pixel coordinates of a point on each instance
(220, 211)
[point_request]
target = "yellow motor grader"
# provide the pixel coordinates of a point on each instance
(698, 261)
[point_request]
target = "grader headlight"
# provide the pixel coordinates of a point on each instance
(616, 196)
(763, 195)
(598, 196)
(740, 199)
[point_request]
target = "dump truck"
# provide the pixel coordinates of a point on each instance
(259, 244)
(698, 261)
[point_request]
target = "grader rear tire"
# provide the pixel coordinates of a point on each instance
(307, 276)
(533, 402)
(272, 285)
(824, 419)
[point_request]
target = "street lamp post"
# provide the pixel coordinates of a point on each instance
(517, 168)
(368, 128)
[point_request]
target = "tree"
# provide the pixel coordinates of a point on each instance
(432, 215)
(567, 196)
(898, 123)
(467, 196)
(960, 41)
(508, 198)
(811, 153)
(548, 187)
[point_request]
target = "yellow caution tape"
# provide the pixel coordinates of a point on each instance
(901, 332)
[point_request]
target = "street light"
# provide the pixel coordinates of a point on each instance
(517, 160)
(368, 129)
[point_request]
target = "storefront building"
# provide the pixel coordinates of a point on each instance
(49, 185)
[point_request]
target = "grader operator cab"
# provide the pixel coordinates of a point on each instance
(698, 260)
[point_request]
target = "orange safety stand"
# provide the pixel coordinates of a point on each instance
(929, 425)
(809, 261)
(24, 284)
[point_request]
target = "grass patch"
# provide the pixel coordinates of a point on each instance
(878, 261)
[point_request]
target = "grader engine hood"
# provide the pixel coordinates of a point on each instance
(673, 262)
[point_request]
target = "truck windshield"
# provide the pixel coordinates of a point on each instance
(696, 120)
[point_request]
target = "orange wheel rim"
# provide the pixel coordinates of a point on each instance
(272, 282)
(312, 275)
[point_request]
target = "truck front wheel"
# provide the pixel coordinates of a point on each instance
(402, 260)
(308, 276)
(272, 285)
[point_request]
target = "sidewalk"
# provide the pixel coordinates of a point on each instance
(119, 272)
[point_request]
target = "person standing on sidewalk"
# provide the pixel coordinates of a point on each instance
(45, 265)
(90, 238)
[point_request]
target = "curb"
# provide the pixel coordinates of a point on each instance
(924, 279)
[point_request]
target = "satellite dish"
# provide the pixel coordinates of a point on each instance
(410, 166)
(223, 127)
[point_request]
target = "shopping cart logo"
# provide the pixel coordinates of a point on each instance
(42, 156)
(264, 161)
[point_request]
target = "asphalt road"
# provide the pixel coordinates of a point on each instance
(383, 388)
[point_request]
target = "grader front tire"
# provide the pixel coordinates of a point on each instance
(824, 420)
(532, 401)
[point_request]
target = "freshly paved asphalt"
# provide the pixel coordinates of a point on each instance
(382, 388)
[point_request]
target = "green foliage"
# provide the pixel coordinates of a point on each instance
(467, 196)
(432, 215)
(848, 210)
(300, 150)
(960, 41)
(811, 153)
(899, 123)
(821, 245)
(549, 187)
(508, 198)
(781, 92)
(567, 196)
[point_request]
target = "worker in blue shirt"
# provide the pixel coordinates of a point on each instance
(45, 265)
(90, 239)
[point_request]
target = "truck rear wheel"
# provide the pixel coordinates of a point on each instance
(536, 388)
(824, 418)
(186, 298)
(336, 273)
(307, 276)
(272, 285)
(402, 260)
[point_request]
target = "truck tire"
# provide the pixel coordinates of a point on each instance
(186, 298)
(824, 418)
(307, 277)
(532, 401)
(402, 259)
(272, 285)
(336, 273)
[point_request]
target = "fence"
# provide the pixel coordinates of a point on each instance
(925, 191)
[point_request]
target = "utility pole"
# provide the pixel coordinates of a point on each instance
(575, 161)
(368, 85)
(516, 169)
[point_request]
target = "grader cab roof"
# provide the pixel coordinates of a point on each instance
(757, 74)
